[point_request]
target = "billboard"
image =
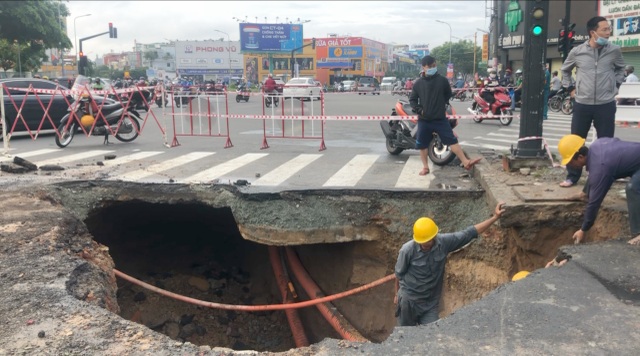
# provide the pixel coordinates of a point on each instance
(624, 20)
(208, 57)
(260, 38)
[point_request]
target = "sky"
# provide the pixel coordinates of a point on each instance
(400, 22)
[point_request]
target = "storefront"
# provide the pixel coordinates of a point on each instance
(341, 58)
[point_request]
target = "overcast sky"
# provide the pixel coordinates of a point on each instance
(402, 22)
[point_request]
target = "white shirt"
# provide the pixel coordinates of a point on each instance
(631, 78)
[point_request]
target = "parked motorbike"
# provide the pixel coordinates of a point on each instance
(125, 124)
(242, 93)
(461, 94)
(567, 105)
(401, 135)
(500, 109)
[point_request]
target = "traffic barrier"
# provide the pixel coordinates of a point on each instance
(628, 113)
(194, 117)
(292, 135)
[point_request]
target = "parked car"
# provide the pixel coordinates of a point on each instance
(388, 83)
(368, 85)
(349, 85)
(33, 111)
(302, 88)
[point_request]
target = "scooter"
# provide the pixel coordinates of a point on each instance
(242, 94)
(160, 95)
(271, 99)
(125, 124)
(461, 94)
(401, 135)
(500, 109)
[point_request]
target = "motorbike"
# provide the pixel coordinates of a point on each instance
(461, 94)
(555, 102)
(125, 124)
(401, 135)
(567, 105)
(271, 99)
(183, 94)
(242, 93)
(500, 108)
(160, 95)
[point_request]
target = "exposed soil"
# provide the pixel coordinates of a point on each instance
(58, 245)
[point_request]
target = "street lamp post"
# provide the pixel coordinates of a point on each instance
(446, 23)
(75, 37)
(228, 51)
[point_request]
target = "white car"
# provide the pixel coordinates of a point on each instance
(302, 88)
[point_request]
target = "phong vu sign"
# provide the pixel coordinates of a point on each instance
(256, 38)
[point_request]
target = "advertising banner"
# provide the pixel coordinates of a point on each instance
(208, 57)
(624, 19)
(259, 38)
(345, 52)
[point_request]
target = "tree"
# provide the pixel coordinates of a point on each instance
(31, 27)
(151, 55)
(461, 56)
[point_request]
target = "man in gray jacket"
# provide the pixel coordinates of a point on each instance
(600, 71)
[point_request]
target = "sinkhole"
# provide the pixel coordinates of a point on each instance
(201, 250)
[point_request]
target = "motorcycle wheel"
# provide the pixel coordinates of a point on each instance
(463, 96)
(159, 103)
(128, 120)
(567, 106)
(555, 104)
(237, 99)
(66, 136)
(474, 107)
(505, 121)
(439, 153)
(392, 148)
(267, 102)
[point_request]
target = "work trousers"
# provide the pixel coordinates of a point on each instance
(603, 118)
(633, 203)
(412, 313)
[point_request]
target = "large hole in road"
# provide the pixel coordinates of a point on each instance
(195, 249)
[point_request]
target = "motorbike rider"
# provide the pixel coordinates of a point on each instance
(506, 78)
(490, 83)
(517, 93)
(97, 85)
(629, 76)
(270, 85)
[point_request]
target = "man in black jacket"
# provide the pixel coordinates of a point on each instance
(429, 98)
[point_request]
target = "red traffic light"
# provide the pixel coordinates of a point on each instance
(570, 35)
(561, 33)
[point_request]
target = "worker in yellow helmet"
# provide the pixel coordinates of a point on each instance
(607, 159)
(420, 267)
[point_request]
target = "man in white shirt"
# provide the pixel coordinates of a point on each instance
(630, 77)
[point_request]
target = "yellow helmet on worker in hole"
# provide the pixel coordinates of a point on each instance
(568, 146)
(518, 276)
(424, 230)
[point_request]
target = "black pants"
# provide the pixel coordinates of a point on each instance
(603, 118)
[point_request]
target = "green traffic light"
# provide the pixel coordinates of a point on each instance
(537, 30)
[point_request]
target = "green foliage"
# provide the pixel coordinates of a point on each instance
(151, 55)
(27, 28)
(461, 56)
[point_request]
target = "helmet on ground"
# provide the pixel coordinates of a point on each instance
(519, 71)
(424, 230)
(629, 68)
(520, 275)
(568, 146)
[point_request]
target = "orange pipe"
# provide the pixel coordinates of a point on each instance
(297, 329)
(253, 308)
(328, 310)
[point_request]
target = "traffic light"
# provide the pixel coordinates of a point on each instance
(115, 32)
(313, 43)
(561, 41)
(111, 30)
(82, 64)
(571, 36)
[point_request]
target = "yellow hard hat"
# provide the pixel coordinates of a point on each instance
(568, 146)
(424, 230)
(520, 275)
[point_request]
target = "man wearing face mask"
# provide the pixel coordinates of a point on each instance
(429, 98)
(489, 86)
(600, 71)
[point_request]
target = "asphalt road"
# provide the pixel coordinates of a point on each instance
(355, 155)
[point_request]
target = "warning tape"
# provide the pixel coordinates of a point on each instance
(352, 117)
(84, 90)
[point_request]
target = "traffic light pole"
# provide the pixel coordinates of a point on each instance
(565, 24)
(112, 34)
(529, 151)
(293, 59)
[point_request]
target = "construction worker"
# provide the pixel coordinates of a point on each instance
(420, 268)
(607, 159)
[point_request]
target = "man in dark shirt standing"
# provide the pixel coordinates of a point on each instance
(607, 159)
(429, 98)
(420, 268)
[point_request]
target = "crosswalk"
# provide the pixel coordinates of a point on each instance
(282, 170)
(553, 129)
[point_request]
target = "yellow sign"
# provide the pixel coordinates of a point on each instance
(337, 52)
(485, 47)
(126, 75)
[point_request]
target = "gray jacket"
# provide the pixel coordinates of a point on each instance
(599, 73)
